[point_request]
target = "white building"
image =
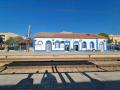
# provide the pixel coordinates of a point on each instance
(68, 41)
(6, 35)
(115, 38)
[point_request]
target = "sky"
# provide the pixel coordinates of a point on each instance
(78, 16)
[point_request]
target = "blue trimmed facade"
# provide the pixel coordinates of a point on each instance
(68, 44)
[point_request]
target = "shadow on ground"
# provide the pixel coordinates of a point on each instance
(73, 63)
(49, 82)
(48, 63)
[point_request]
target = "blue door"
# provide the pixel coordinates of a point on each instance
(48, 45)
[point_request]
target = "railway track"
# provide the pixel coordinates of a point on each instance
(62, 62)
(37, 69)
(61, 59)
(62, 66)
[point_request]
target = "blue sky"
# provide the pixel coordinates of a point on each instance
(79, 16)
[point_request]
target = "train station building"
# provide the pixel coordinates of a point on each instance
(67, 41)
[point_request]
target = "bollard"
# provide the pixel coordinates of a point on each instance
(89, 56)
(6, 57)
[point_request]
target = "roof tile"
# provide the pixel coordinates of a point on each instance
(66, 35)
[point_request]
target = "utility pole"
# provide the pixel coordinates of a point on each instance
(28, 37)
(29, 31)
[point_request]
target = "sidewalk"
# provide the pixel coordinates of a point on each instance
(61, 81)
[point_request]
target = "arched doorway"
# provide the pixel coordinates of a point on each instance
(57, 44)
(40, 44)
(92, 45)
(48, 45)
(101, 46)
(76, 46)
(67, 46)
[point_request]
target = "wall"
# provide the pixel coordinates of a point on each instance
(43, 46)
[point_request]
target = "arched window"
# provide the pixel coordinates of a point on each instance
(67, 42)
(84, 44)
(91, 44)
(40, 42)
(62, 44)
(57, 44)
(76, 43)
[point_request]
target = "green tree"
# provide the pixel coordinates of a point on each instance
(18, 40)
(106, 36)
(10, 41)
(14, 41)
(28, 42)
(119, 43)
(1, 42)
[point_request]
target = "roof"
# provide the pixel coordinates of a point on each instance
(67, 35)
